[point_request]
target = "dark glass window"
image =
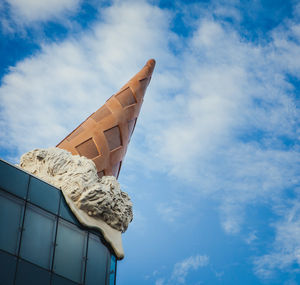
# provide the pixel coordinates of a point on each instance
(13, 180)
(38, 237)
(76, 260)
(66, 213)
(112, 272)
(70, 251)
(43, 195)
(29, 274)
(97, 260)
(58, 280)
(7, 268)
(11, 216)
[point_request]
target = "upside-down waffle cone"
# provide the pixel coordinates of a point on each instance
(104, 136)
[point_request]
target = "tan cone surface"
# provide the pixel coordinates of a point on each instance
(104, 136)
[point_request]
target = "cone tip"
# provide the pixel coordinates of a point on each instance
(151, 62)
(149, 67)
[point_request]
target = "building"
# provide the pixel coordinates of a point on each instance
(41, 241)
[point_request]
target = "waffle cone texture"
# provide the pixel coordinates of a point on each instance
(104, 136)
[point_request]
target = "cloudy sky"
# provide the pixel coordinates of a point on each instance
(213, 165)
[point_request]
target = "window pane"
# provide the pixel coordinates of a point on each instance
(13, 179)
(70, 251)
(11, 216)
(58, 280)
(38, 237)
(112, 274)
(96, 270)
(7, 268)
(66, 213)
(44, 195)
(29, 274)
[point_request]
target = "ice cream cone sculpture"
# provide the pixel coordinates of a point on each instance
(104, 136)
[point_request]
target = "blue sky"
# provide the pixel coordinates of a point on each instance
(213, 166)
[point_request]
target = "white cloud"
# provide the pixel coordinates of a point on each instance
(160, 281)
(168, 213)
(285, 250)
(225, 129)
(251, 237)
(54, 90)
(181, 269)
(139, 223)
(286, 47)
(173, 211)
(28, 11)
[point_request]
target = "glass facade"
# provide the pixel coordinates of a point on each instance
(41, 241)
